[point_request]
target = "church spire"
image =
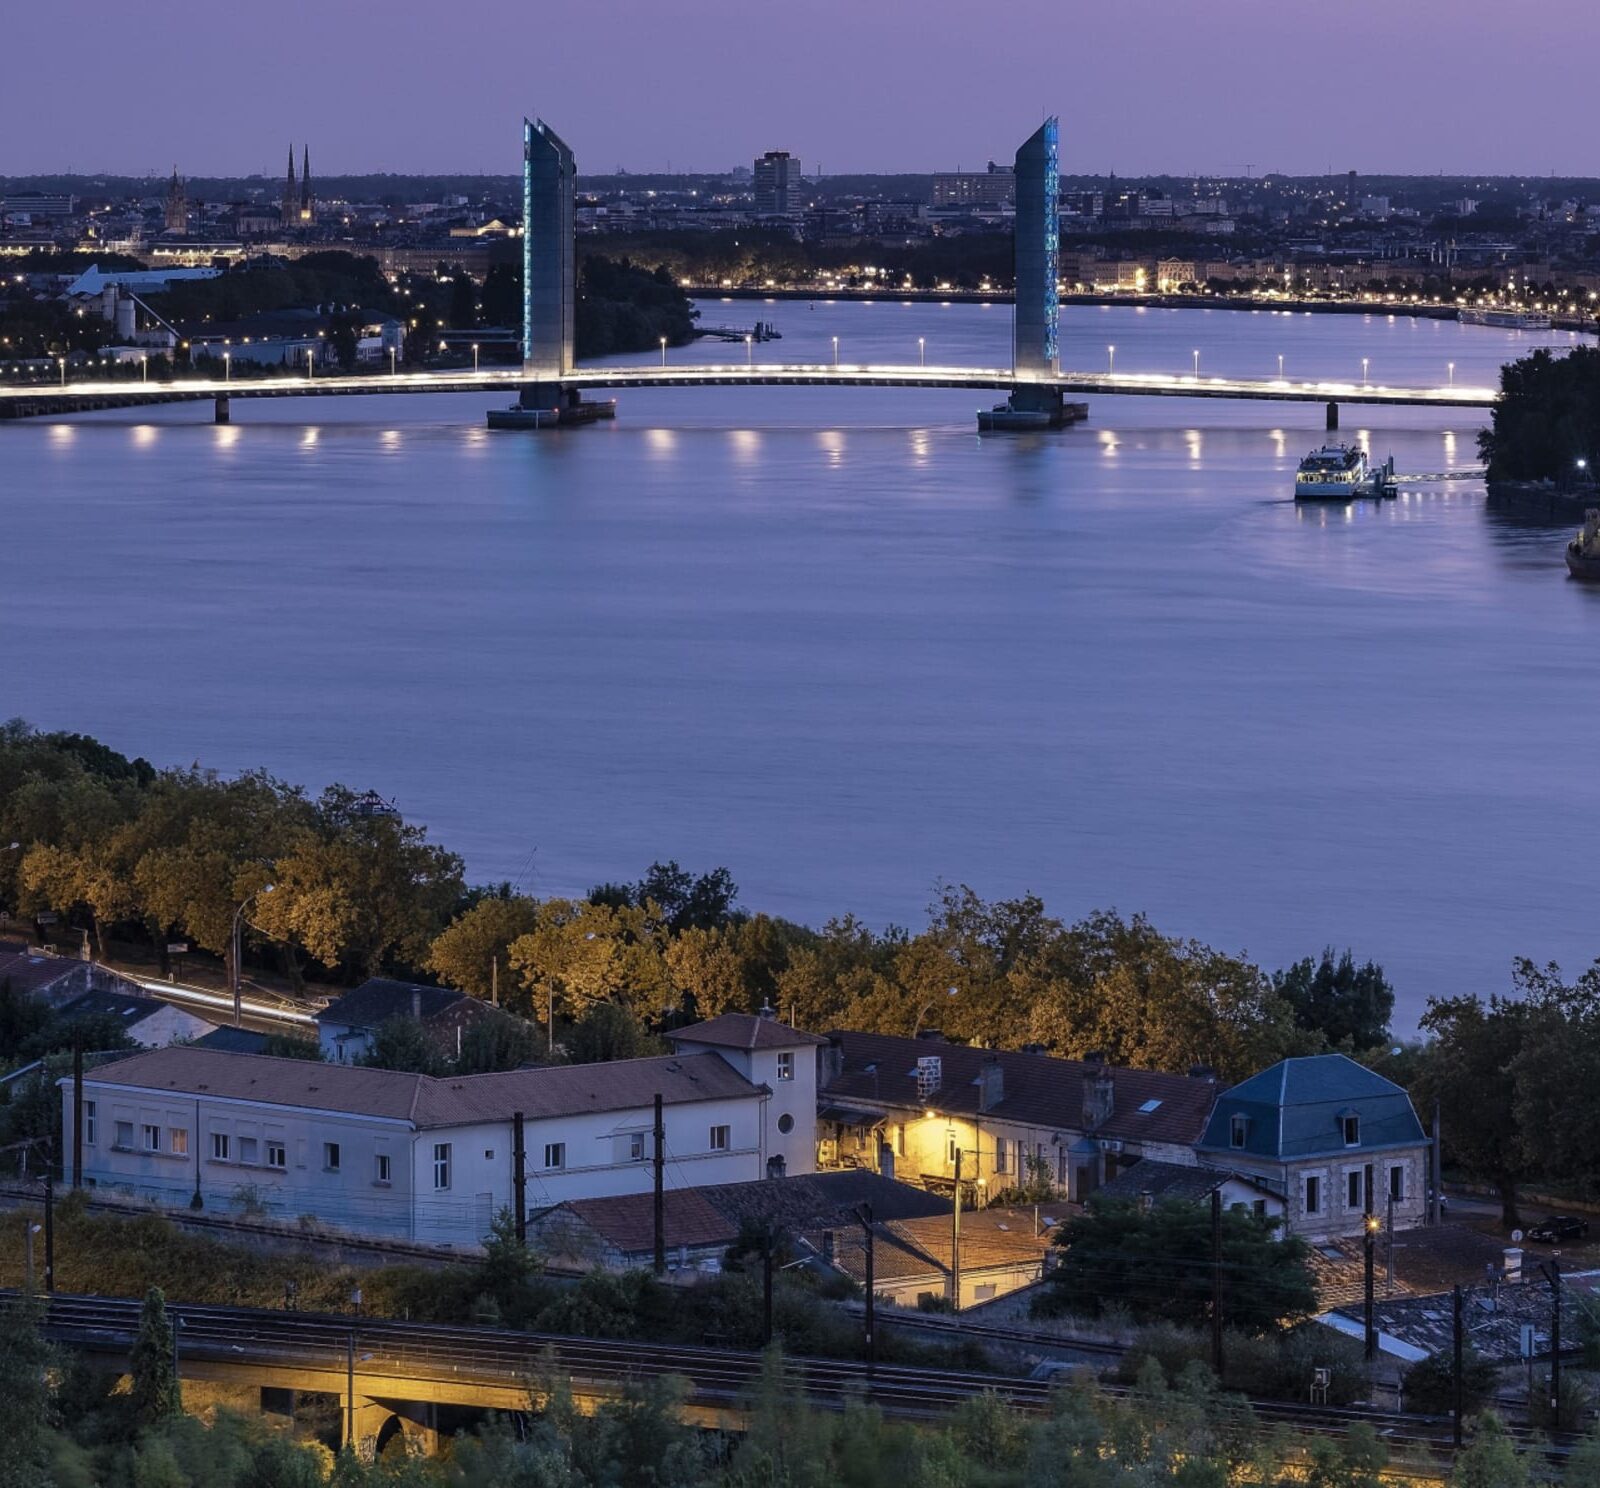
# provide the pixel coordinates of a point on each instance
(291, 197)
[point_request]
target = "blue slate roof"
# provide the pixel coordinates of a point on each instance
(1295, 1109)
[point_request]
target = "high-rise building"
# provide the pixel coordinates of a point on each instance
(177, 210)
(549, 267)
(777, 184)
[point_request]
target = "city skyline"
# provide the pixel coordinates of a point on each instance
(845, 92)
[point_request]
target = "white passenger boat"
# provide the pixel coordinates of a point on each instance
(1340, 472)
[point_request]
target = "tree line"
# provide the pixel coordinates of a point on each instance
(340, 887)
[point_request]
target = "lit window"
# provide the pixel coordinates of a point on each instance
(152, 1138)
(276, 1156)
(219, 1146)
(441, 1165)
(719, 1138)
(124, 1134)
(786, 1066)
(330, 1157)
(180, 1141)
(555, 1154)
(381, 1168)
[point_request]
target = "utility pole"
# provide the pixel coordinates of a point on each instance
(1436, 1192)
(1388, 1246)
(494, 981)
(77, 1110)
(49, 1233)
(519, 1175)
(350, 1393)
(766, 1286)
(864, 1214)
(1456, 1370)
(1370, 1245)
(660, 1191)
(1216, 1281)
(1553, 1272)
(955, 1243)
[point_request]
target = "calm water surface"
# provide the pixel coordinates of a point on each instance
(838, 642)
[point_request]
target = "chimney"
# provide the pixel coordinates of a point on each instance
(416, 1003)
(768, 1012)
(1099, 1097)
(832, 1061)
(991, 1083)
(1202, 1072)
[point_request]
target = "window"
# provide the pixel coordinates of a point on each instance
(900, 1140)
(1237, 1129)
(952, 1148)
(180, 1141)
(786, 1065)
(984, 1292)
(1260, 1208)
(636, 1147)
(124, 1134)
(152, 1138)
(1002, 1154)
(786, 1123)
(330, 1157)
(88, 1121)
(380, 1170)
(441, 1165)
(248, 1149)
(1353, 1189)
(219, 1146)
(1313, 1195)
(1352, 1130)
(276, 1156)
(719, 1138)
(1148, 1106)
(555, 1154)
(1397, 1183)
(488, 1154)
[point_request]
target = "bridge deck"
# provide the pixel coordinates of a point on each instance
(19, 402)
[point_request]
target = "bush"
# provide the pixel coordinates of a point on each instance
(1277, 1367)
(1429, 1385)
(1574, 1402)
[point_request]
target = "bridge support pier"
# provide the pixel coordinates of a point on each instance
(550, 405)
(1032, 407)
(1333, 416)
(222, 415)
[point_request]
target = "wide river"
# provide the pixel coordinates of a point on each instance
(839, 642)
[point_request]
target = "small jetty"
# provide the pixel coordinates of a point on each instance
(762, 330)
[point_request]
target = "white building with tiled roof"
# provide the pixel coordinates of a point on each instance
(410, 1156)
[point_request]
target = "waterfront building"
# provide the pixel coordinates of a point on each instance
(1333, 1138)
(1036, 347)
(549, 269)
(908, 1106)
(776, 180)
(975, 191)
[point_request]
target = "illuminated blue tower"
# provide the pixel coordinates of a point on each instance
(1036, 345)
(549, 287)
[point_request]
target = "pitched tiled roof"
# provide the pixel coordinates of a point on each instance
(1163, 1180)
(32, 971)
(560, 1090)
(1294, 1109)
(128, 1009)
(627, 1221)
(746, 1031)
(229, 1040)
(1039, 1090)
(378, 999)
(908, 1248)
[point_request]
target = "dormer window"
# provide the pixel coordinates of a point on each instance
(1350, 1124)
(1238, 1129)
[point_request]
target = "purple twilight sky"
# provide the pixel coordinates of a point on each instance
(222, 86)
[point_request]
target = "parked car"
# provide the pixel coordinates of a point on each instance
(1558, 1227)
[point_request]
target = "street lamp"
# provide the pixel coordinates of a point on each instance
(1280, 366)
(144, 368)
(238, 915)
(1452, 367)
(1111, 361)
(474, 358)
(311, 363)
(227, 366)
(922, 351)
(1197, 365)
(31, 1230)
(835, 351)
(749, 353)
(391, 361)
(63, 362)
(922, 1012)
(663, 351)
(1364, 361)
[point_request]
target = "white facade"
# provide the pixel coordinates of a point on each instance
(790, 1074)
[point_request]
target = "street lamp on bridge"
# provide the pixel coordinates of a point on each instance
(1111, 361)
(749, 353)
(835, 351)
(1197, 365)
(663, 351)
(922, 351)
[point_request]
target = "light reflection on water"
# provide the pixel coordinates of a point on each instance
(842, 643)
